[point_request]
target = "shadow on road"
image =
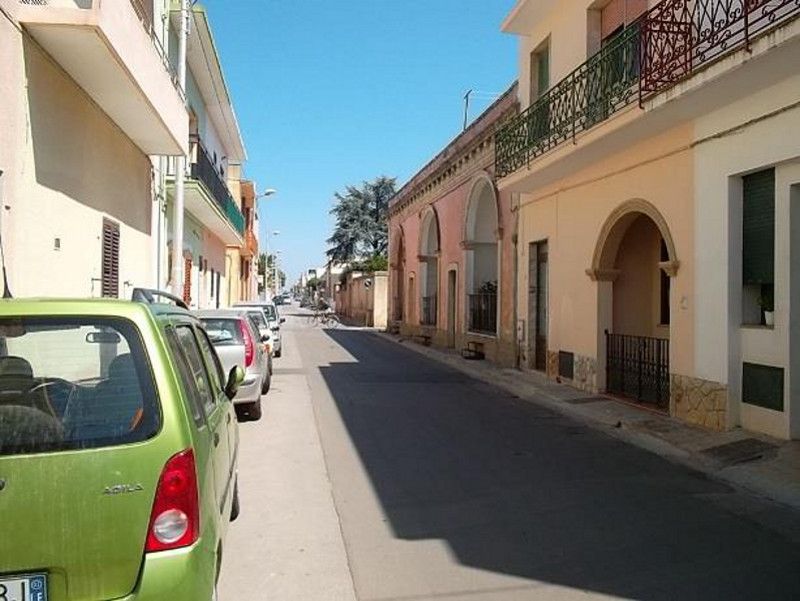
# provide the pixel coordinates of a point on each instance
(517, 489)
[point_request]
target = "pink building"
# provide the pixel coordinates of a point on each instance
(452, 249)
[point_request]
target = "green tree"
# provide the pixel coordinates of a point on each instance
(361, 215)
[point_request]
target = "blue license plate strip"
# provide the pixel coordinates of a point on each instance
(24, 587)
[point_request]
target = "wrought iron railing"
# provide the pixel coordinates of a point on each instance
(591, 93)
(428, 316)
(638, 367)
(203, 170)
(669, 43)
(680, 36)
(144, 10)
(483, 312)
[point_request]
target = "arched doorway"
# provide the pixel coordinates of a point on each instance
(429, 267)
(481, 258)
(398, 264)
(633, 264)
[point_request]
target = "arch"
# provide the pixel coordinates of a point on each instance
(430, 233)
(613, 231)
(482, 195)
(481, 235)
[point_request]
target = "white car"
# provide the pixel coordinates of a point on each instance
(273, 319)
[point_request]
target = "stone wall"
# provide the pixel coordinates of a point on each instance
(585, 373)
(699, 402)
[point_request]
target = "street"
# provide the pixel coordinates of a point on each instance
(378, 475)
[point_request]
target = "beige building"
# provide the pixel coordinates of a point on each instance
(87, 97)
(363, 298)
(658, 204)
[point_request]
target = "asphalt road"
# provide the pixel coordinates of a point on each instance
(379, 475)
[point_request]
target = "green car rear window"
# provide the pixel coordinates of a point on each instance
(73, 383)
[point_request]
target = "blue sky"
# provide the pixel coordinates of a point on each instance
(333, 92)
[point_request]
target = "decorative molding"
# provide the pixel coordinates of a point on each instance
(602, 275)
(670, 267)
(615, 227)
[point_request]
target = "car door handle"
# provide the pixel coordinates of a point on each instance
(216, 439)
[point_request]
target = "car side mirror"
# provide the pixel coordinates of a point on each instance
(235, 379)
(283, 320)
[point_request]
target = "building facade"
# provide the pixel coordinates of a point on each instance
(214, 224)
(87, 97)
(451, 254)
(658, 204)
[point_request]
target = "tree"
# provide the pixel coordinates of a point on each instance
(361, 221)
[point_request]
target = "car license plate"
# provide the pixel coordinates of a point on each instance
(30, 587)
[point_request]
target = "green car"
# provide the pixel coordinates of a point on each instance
(118, 446)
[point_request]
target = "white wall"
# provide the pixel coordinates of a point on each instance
(719, 164)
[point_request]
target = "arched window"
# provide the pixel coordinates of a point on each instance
(429, 267)
(481, 250)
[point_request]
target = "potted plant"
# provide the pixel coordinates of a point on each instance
(767, 304)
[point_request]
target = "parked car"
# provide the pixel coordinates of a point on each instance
(238, 341)
(273, 319)
(117, 451)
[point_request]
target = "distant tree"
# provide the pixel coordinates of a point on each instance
(361, 221)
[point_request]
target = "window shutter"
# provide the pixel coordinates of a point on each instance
(758, 228)
(187, 280)
(109, 270)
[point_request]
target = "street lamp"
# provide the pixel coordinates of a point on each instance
(275, 270)
(265, 194)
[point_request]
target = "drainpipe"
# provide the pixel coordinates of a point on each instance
(515, 241)
(180, 167)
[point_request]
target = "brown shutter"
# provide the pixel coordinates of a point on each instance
(612, 17)
(187, 280)
(109, 281)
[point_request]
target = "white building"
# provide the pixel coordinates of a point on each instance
(87, 96)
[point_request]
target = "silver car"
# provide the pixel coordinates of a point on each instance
(238, 342)
(273, 319)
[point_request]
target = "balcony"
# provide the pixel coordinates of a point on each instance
(668, 45)
(111, 51)
(250, 247)
(206, 196)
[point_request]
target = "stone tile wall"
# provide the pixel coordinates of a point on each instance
(699, 402)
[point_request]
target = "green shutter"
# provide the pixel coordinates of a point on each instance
(758, 228)
(762, 385)
(543, 70)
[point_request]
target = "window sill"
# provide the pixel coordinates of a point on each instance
(755, 326)
(486, 335)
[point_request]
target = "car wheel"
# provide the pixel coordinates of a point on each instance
(235, 507)
(278, 352)
(266, 383)
(254, 410)
(241, 412)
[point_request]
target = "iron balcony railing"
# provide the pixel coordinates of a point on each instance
(600, 86)
(144, 10)
(681, 36)
(483, 312)
(428, 317)
(669, 43)
(203, 170)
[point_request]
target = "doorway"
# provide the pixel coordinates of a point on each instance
(451, 308)
(537, 305)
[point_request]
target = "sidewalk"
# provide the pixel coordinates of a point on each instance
(759, 464)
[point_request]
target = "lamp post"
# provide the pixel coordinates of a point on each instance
(275, 283)
(265, 194)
